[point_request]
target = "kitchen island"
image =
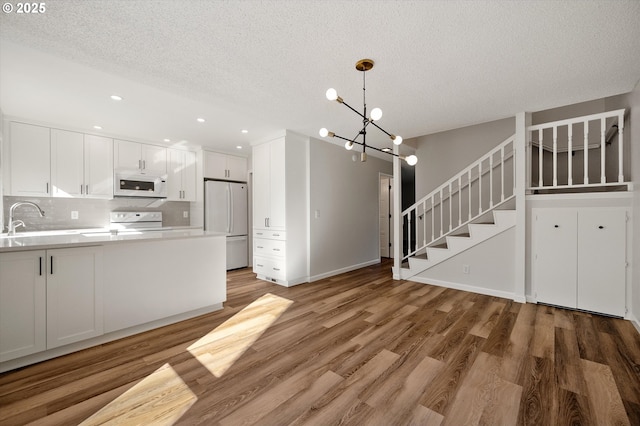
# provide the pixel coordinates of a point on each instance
(69, 290)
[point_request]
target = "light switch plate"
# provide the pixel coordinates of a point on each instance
(74, 214)
(185, 214)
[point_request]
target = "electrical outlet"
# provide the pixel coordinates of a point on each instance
(317, 214)
(185, 214)
(465, 269)
(74, 214)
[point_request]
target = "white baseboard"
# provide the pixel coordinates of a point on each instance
(343, 270)
(531, 299)
(466, 287)
(634, 321)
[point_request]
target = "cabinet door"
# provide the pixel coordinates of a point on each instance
(98, 167)
(74, 295)
(30, 160)
(215, 165)
(236, 168)
(261, 185)
(277, 183)
(127, 155)
(174, 175)
(189, 177)
(154, 159)
(555, 258)
(23, 295)
(602, 260)
(67, 164)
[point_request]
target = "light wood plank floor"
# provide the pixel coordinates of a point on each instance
(359, 349)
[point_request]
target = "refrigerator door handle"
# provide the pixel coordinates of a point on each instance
(228, 208)
(231, 212)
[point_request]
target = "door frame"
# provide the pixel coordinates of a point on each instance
(381, 177)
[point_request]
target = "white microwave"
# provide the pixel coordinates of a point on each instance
(133, 184)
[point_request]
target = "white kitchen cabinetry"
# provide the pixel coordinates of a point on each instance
(139, 156)
(23, 298)
(225, 167)
(580, 258)
(181, 179)
(49, 299)
(279, 210)
(29, 158)
(81, 165)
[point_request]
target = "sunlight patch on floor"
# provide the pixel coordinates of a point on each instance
(221, 347)
(159, 399)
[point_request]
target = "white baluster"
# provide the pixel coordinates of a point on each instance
(424, 223)
(603, 131)
(459, 200)
(409, 233)
(570, 156)
(540, 156)
(502, 174)
(469, 183)
(491, 181)
(555, 156)
(586, 152)
(480, 187)
(620, 143)
(450, 207)
(433, 219)
(441, 218)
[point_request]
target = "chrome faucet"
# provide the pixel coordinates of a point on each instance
(13, 224)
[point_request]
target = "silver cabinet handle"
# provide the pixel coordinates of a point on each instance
(260, 247)
(276, 249)
(47, 187)
(86, 191)
(276, 269)
(257, 264)
(51, 265)
(81, 189)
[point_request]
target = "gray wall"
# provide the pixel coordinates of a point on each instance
(444, 154)
(635, 153)
(345, 193)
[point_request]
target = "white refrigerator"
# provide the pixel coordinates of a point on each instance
(225, 210)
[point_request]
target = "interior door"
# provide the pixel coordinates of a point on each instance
(386, 216)
(555, 256)
(601, 260)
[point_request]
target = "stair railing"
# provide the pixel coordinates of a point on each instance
(589, 136)
(477, 189)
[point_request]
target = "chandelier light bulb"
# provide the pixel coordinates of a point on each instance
(376, 114)
(332, 95)
(397, 140)
(348, 145)
(411, 160)
(324, 132)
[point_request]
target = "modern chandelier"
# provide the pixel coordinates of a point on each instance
(365, 65)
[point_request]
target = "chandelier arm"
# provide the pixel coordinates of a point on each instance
(382, 130)
(368, 146)
(354, 110)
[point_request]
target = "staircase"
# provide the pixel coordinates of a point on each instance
(473, 206)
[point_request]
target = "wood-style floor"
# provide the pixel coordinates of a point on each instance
(358, 349)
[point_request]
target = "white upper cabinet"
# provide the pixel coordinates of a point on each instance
(81, 165)
(181, 179)
(29, 160)
(226, 167)
(140, 156)
(269, 209)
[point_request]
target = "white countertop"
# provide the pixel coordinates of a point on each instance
(93, 237)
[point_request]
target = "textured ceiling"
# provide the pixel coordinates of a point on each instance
(265, 65)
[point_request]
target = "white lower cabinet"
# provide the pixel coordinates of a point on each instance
(579, 258)
(49, 298)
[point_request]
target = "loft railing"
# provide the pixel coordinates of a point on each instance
(480, 187)
(579, 152)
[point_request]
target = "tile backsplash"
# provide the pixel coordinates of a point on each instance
(91, 213)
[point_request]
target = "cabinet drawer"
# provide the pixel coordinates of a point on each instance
(268, 233)
(270, 268)
(265, 247)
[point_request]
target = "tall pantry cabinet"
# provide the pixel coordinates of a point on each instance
(280, 209)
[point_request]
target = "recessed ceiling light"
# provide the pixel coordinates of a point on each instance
(200, 120)
(167, 140)
(239, 147)
(245, 131)
(116, 97)
(97, 127)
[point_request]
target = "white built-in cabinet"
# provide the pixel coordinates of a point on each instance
(224, 167)
(139, 156)
(269, 182)
(48, 162)
(579, 258)
(49, 298)
(81, 165)
(279, 210)
(29, 154)
(181, 178)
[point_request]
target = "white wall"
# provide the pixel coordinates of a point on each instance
(444, 154)
(491, 268)
(345, 195)
(635, 168)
